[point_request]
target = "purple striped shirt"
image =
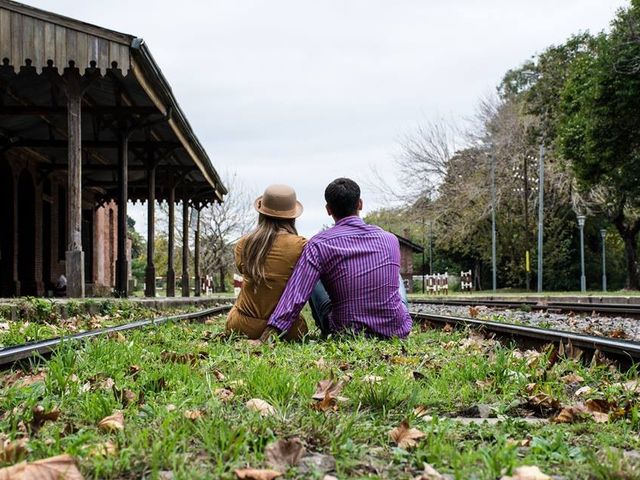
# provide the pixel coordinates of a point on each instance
(359, 265)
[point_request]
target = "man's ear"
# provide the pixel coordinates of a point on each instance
(329, 212)
(359, 204)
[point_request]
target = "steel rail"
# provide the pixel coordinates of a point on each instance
(620, 348)
(15, 353)
(603, 308)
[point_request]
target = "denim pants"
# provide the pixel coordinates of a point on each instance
(321, 305)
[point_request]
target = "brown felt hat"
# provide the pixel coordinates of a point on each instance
(279, 201)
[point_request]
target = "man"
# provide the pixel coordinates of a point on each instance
(358, 266)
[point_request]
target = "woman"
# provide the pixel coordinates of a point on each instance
(266, 258)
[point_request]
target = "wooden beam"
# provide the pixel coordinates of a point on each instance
(122, 264)
(171, 273)
(113, 110)
(21, 142)
(185, 246)
(150, 270)
(196, 257)
(74, 256)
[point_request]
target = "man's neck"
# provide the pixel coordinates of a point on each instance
(336, 219)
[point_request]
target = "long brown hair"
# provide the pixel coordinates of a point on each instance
(259, 242)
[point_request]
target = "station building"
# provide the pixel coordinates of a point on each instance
(88, 122)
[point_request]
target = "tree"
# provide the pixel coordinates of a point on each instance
(599, 129)
(222, 225)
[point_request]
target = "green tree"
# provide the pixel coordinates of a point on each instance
(599, 128)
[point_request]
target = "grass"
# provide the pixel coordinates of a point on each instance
(43, 321)
(178, 368)
(507, 293)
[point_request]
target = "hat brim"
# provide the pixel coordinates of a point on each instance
(287, 215)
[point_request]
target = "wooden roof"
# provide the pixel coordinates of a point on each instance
(34, 44)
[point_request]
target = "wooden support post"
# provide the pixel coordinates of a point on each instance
(185, 246)
(196, 257)
(171, 273)
(74, 254)
(150, 271)
(122, 264)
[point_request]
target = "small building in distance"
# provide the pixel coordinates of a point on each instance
(407, 250)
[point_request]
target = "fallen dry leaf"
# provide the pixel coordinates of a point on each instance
(189, 358)
(448, 328)
(40, 416)
(583, 391)
(527, 473)
(283, 454)
(429, 473)
(112, 423)
(223, 394)
(192, 414)
(473, 312)
(544, 401)
(219, 375)
(572, 378)
(331, 388)
(105, 449)
(321, 363)
(12, 451)
(61, 467)
(405, 436)
(263, 407)
(257, 474)
(171, 407)
(134, 370)
(326, 404)
(422, 412)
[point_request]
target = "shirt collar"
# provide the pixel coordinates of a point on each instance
(351, 220)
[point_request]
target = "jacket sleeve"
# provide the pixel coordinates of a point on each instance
(298, 290)
(237, 253)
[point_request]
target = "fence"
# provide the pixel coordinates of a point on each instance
(437, 284)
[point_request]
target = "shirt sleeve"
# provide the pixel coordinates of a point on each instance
(298, 290)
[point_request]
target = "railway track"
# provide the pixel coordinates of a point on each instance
(619, 309)
(626, 352)
(13, 354)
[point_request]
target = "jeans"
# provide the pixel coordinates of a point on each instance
(321, 305)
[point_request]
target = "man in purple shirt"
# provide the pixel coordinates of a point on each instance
(351, 274)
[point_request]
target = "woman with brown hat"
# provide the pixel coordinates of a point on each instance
(266, 257)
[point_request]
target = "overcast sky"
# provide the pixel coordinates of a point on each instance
(304, 91)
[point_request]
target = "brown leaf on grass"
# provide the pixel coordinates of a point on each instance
(61, 467)
(116, 336)
(429, 473)
(543, 401)
(41, 415)
(192, 414)
(219, 375)
(12, 451)
(526, 473)
(405, 436)
(599, 405)
(112, 423)
(257, 474)
(283, 454)
(422, 412)
(473, 312)
(21, 379)
(345, 366)
(575, 413)
(484, 383)
(104, 449)
(572, 378)
(330, 387)
(263, 407)
(171, 407)
(326, 404)
(583, 391)
(448, 328)
(134, 370)
(223, 394)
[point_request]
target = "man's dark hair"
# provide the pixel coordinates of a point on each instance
(342, 197)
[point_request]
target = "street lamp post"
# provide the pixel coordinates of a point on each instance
(603, 235)
(540, 217)
(493, 223)
(583, 279)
